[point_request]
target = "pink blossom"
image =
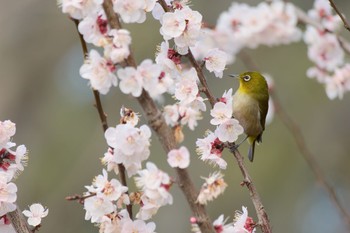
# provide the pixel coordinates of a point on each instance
(99, 72)
(179, 157)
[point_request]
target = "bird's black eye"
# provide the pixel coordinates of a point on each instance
(246, 78)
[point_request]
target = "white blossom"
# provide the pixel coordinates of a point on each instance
(35, 213)
(179, 157)
(96, 208)
(186, 89)
(131, 146)
(7, 130)
(215, 61)
(99, 72)
(79, 9)
(229, 130)
(221, 112)
(130, 81)
(155, 184)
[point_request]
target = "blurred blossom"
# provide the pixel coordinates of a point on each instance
(215, 61)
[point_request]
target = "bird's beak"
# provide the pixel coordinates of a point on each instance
(234, 75)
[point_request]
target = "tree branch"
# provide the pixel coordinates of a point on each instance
(300, 141)
(254, 195)
(165, 135)
(103, 117)
(18, 221)
(202, 78)
(346, 25)
(263, 218)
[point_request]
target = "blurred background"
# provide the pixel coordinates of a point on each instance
(42, 92)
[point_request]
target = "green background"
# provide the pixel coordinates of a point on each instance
(41, 92)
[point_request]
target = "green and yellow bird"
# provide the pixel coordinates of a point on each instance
(250, 106)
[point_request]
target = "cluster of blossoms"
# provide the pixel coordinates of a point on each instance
(130, 145)
(228, 129)
(106, 199)
(326, 52)
(242, 26)
(12, 162)
(270, 24)
(154, 185)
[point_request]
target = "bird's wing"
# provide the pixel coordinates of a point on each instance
(263, 108)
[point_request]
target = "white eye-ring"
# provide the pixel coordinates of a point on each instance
(246, 78)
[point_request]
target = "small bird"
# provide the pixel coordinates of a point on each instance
(250, 106)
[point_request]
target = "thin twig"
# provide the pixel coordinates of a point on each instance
(18, 221)
(254, 195)
(300, 141)
(165, 135)
(202, 78)
(263, 218)
(103, 117)
(346, 25)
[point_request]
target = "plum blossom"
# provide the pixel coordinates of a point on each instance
(184, 25)
(215, 61)
(186, 90)
(21, 158)
(130, 81)
(189, 116)
(118, 48)
(35, 213)
(155, 81)
(339, 83)
(173, 24)
(7, 130)
(265, 24)
(79, 9)
(323, 13)
(168, 58)
(229, 130)
(210, 149)
(131, 146)
(133, 11)
(155, 185)
(171, 114)
(323, 49)
(94, 28)
(8, 191)
(179, 157)
(110, 190)
(214, 186)
(97, 207)
(221, 112)
(99, 72)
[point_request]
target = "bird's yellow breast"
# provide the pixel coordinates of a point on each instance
(246, 111)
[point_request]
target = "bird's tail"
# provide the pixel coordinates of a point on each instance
(251, 151)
